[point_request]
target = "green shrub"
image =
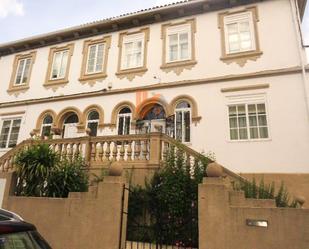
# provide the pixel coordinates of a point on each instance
(33, 167)
(42, 173)
(166, 209)
(266, 191)
(67, 177)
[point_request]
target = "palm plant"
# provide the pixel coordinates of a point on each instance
(33, 166)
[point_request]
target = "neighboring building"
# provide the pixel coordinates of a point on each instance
(221, 76)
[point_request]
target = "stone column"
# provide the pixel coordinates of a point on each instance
(155, 149)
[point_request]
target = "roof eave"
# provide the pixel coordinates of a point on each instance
(144, 17)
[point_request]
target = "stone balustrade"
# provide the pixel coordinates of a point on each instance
(138, 150)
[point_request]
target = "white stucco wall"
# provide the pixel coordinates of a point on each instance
(277, 42)
(287, 148)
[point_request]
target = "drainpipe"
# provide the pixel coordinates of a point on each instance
(301, 50)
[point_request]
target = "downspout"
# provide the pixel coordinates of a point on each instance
(301, 50)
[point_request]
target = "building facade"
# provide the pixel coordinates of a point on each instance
(224, 77)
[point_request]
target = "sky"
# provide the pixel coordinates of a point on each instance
(23, 18)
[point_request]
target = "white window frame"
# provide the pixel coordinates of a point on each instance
(96, 58)
(10, 131)
(183, 110)
(60, 65)
(125, 116)
(134, 38)
(247, 99)
(45, 125)
(237, 18)
(93, 121)
(23, 71)
(179, 29)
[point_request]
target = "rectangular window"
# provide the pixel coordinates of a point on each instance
(95, 58)
(59, 65)
(178, 43)
(248, 121)
(59, 61)
(124, 121)
(133, 51)
(182, 124)
(23, 70)
(239, 33)
(21, 73)
(93, 126)
(9, 132)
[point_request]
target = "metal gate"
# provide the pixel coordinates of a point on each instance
(153, 227)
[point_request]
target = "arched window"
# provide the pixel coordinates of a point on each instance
(155, 111)
(46, 125)
(70, 126)
(183, 122)
(93, 122)
(124, 121)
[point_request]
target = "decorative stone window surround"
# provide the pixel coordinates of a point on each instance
(240, 58)
(89, 109)
(178, 66)
(131, 73)
(17, 89)
(117, 109)
(195, 118)
(169, 109)
(91, 78)
(49, 83)
(40, 119)
(62, 115)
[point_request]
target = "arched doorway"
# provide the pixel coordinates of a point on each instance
(152, 119)
(70, 125)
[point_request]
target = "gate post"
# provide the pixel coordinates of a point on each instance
(213, 213)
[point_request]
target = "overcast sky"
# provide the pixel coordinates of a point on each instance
(24, 18)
